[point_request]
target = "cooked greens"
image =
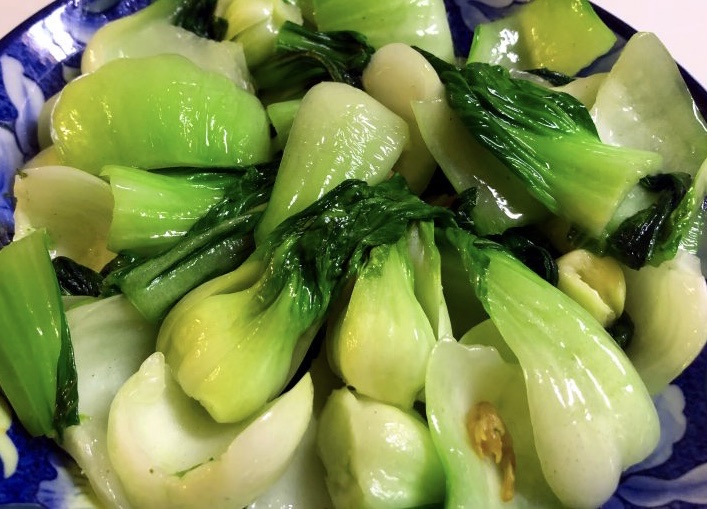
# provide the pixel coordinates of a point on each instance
(37, 372)
(231, 341)
(303, 259)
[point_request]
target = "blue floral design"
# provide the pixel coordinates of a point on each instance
(18, 140)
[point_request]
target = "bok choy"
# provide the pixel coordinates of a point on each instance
(591, 413)
(233, 341)
(217, 243)
(158, 112)
(37, 371)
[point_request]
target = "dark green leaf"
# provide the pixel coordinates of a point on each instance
(636, 238)
(76, 279)
(622, 331)
(198, 17)
(554, 78)
(66, 411)
(324, 245)
(463, 207)
(548, 139)
(305, 57)
(217, 243)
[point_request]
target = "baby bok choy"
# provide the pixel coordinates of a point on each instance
(153, 210)
(478, 415)
(37, 371)
(184, 27)
(563, 37)
(158, 112)
(255, 24)
(169, 453)
(380, 339)
(591, 414)
(339, 132)
(668, 305)
(111, 340)
(74, 207)
(549, 140)
(422, 23)
(398, 76)
(644, 103)
(217, 243)
(233, 341)
(305, 57)
(360, 438)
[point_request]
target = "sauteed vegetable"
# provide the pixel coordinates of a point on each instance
(322, 261)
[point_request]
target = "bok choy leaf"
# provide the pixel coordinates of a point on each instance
(37, 371)
(592, 416)
(549, 140)
(232, 340)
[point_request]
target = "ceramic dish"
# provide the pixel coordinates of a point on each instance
(42, 53)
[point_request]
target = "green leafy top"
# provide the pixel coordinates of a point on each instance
(548, 139)
(305, 57)
(198, 17)
(37, 371)
(325, 244)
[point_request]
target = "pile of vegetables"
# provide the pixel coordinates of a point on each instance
(301, 254)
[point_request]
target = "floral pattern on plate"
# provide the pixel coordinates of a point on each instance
(43, 53)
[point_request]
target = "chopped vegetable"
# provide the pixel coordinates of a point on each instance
(501, 201)
(153, 211)
(421, 23)
(668, 305)
(359, 438)
(644, 103)
(198, 462)
(332, 116)
(305, 57)
(231, 341)
(596, 283)
(461, 378)
(218, 243)
(380, 340)
(37, 371)
(255, 24)
(158, 112)
(111, 340)
(562, 36)
(398, 76)
(591, 414)
(169, 24)
(549, 140)
(74, 207)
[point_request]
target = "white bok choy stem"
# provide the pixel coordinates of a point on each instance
(339, 132)
(73, 206)
(382, 338)
(459, 377)
(592, 416)
(376, 455)
(111, 339)
(396, 76)
(151, 30)
(170, 453)
(644, 103)
(668, 305)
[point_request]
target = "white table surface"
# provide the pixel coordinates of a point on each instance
(680, 24)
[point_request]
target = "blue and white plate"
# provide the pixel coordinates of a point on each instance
(36, 60)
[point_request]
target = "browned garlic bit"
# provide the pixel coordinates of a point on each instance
(490, 439)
